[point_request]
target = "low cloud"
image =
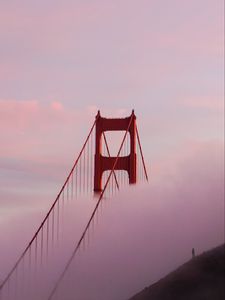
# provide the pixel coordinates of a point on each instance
(42, 140)
(213, 104)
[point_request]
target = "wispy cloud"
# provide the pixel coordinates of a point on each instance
(214, 104)
(43, 139)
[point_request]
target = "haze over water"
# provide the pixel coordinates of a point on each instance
(137, 236)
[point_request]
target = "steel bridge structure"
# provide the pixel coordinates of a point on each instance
(94, 171)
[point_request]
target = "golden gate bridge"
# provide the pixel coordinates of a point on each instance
(94, 170)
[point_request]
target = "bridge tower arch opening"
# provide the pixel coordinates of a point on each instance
(102, 163)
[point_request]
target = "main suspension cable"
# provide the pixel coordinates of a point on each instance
(48, 213)
(91, 218)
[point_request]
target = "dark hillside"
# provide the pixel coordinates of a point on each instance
(201, 278)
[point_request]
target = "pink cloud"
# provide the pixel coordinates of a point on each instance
(209, 103)
(26, 126)
(36, 135)
(57, 106)
(17, 114)
(22, 114)
(203, 155)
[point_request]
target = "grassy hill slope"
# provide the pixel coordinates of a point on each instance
(201, 278)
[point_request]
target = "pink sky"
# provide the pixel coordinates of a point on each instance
(60, 62)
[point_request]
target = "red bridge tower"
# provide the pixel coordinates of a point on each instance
(103, 163)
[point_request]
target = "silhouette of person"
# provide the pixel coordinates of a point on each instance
(193, 252)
